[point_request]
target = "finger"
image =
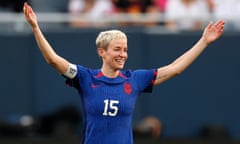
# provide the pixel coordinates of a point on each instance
(220, 24)
(30, 10)
(210, 24)
(25, 8)
(25, 5)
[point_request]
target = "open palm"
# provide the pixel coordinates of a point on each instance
(213, 31)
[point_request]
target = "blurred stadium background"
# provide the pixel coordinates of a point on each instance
(199, 106)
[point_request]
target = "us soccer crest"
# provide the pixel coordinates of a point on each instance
(127, 88)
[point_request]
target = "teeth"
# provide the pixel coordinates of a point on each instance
(120, 61)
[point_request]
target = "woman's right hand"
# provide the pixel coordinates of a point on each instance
(30, 15)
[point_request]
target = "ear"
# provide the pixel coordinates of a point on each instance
(100, 51)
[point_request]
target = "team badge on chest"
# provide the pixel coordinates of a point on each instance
(127, 88)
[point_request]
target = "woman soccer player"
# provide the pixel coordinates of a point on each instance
(109, 93)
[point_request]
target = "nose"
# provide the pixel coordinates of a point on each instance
(122, 54)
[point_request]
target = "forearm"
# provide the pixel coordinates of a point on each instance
(190, 56)
(48, 52)
(211, 33)
(43, 45)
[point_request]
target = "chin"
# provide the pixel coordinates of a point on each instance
(120, 68)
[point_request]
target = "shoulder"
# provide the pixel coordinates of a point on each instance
(138, 72)
(83, 71)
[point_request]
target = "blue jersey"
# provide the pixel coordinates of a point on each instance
(108, 103)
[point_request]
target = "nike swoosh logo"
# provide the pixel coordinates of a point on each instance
(95, 85)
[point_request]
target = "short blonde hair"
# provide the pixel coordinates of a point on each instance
(104, 38)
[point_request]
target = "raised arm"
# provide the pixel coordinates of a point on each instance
(211, 33)
(59, 63)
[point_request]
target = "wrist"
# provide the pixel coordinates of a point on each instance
(35, 28)
(204, 41)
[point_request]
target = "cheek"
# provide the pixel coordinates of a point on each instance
(113, 54)
(110, 55)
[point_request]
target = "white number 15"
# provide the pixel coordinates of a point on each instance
(110, 107)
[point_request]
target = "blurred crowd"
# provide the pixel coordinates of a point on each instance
(172, 14)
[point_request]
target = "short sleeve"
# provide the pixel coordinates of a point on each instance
(145, 79)
(75, 82)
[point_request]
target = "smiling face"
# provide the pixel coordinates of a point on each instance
(115, 56)
(112, 48)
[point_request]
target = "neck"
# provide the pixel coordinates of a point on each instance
(110, 73)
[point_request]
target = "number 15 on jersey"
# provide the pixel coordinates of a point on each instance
(110, 107)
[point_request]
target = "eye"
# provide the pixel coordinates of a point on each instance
(117, 49)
